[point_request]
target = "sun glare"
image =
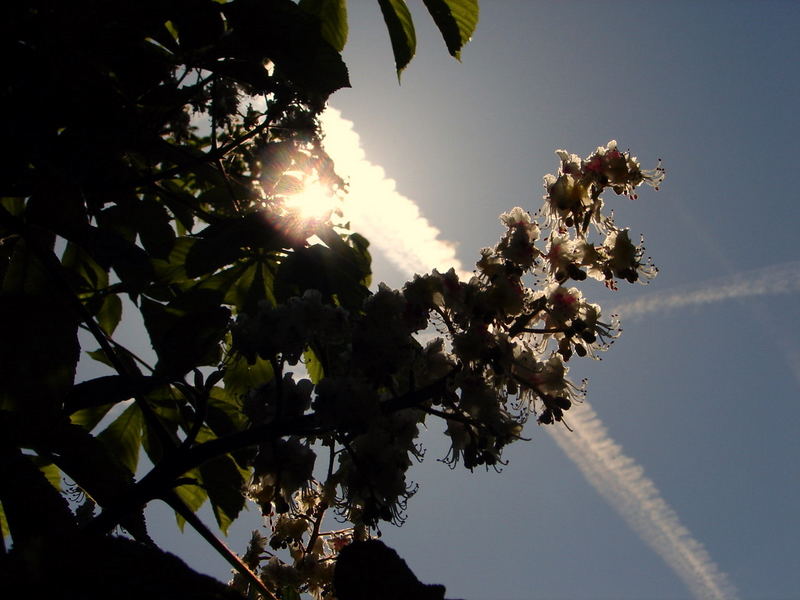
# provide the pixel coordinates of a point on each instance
(314, 202)
(394, 224)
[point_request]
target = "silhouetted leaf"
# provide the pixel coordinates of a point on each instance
(153, 225)
(197, 24)
(183, 338)
(223, 482)
(108, 248)
(39, 326)
(224, 197)
(62, 210)
(334, 273)
(268, 29)
(223, 243)
(109, 389)
(32, 505)
(219, 247)
(88, 462)
(180, 202)
(120, 217)
(401, 32)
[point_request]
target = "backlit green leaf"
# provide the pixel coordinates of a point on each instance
(193, 494)
(244, 285)
(49, 470)
(241, 377)
(173, 270)
(224, 413)
(401, 32)
(123, 437)
(88, 418)
(456, 19)
(86, 273)
(313, 366)
(333, 19)
(110, 313)
(3, 522)
(16, 206)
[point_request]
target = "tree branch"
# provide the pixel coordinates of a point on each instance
(179, 506)
(163, 475)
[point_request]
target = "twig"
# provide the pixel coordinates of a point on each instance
(179, 506)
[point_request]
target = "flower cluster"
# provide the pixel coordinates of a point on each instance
(573, 203)
(505, 339)
(310, 552)
(573, 195)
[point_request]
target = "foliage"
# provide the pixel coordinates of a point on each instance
(159, 147)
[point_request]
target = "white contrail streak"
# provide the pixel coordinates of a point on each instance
(778, 279)
(635, 497)
(390, 221)
(621, 481)
(396, 227)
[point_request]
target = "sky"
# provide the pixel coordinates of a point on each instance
(681, 478)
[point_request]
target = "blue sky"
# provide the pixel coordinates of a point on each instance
(703, 396)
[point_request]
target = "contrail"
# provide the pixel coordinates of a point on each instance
(621, 481)
(635, 497)
(390, 221)
(783, 278)
(395, 226)
(778, 279)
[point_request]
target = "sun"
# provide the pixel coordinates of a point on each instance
(314, 202)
